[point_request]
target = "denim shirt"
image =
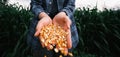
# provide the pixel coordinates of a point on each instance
(38, 6)
(54, 9)
(67, 6)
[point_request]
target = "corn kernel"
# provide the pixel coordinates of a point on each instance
(56, 50)
(70, 54)
(52, 35)
(60, 56)
(45, 56)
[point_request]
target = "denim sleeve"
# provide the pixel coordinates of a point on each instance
(69, 8)
(36, 7)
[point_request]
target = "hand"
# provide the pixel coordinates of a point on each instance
(63, 20)
(45, 20)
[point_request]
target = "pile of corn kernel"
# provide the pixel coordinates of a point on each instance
(54, 37)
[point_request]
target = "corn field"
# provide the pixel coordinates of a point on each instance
(99, 32)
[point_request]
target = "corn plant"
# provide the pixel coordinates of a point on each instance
(14, 22)
(99, 31)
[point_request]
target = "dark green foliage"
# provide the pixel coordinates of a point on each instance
(99, 32)
(14, 22)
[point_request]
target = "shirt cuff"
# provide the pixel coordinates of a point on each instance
(66, 11)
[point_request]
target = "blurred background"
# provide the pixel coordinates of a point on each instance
(101, 4)
(97, 21)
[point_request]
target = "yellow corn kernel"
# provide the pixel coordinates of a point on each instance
(60, 56)
(52, 35)
(56, 50)
(70, 54)
(45, 56)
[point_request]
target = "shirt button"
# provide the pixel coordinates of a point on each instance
(50, 2)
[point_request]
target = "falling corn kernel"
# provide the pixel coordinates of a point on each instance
(56, 50)
(45, 56)
(54, 37)
(70, 54)
(60, 56)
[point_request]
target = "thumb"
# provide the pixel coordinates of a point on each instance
(38, 28)
(37, 32)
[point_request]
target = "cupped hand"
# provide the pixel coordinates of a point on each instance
(43, 22)
(63, 20)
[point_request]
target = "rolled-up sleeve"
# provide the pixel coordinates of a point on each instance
(69, 8)
(36, 7)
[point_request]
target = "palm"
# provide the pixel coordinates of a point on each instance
(65, 23)
(43, 22)
(61, 22)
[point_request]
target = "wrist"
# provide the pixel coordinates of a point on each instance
(42, 14)
(63, 13)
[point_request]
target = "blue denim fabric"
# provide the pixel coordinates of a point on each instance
(38, 6)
